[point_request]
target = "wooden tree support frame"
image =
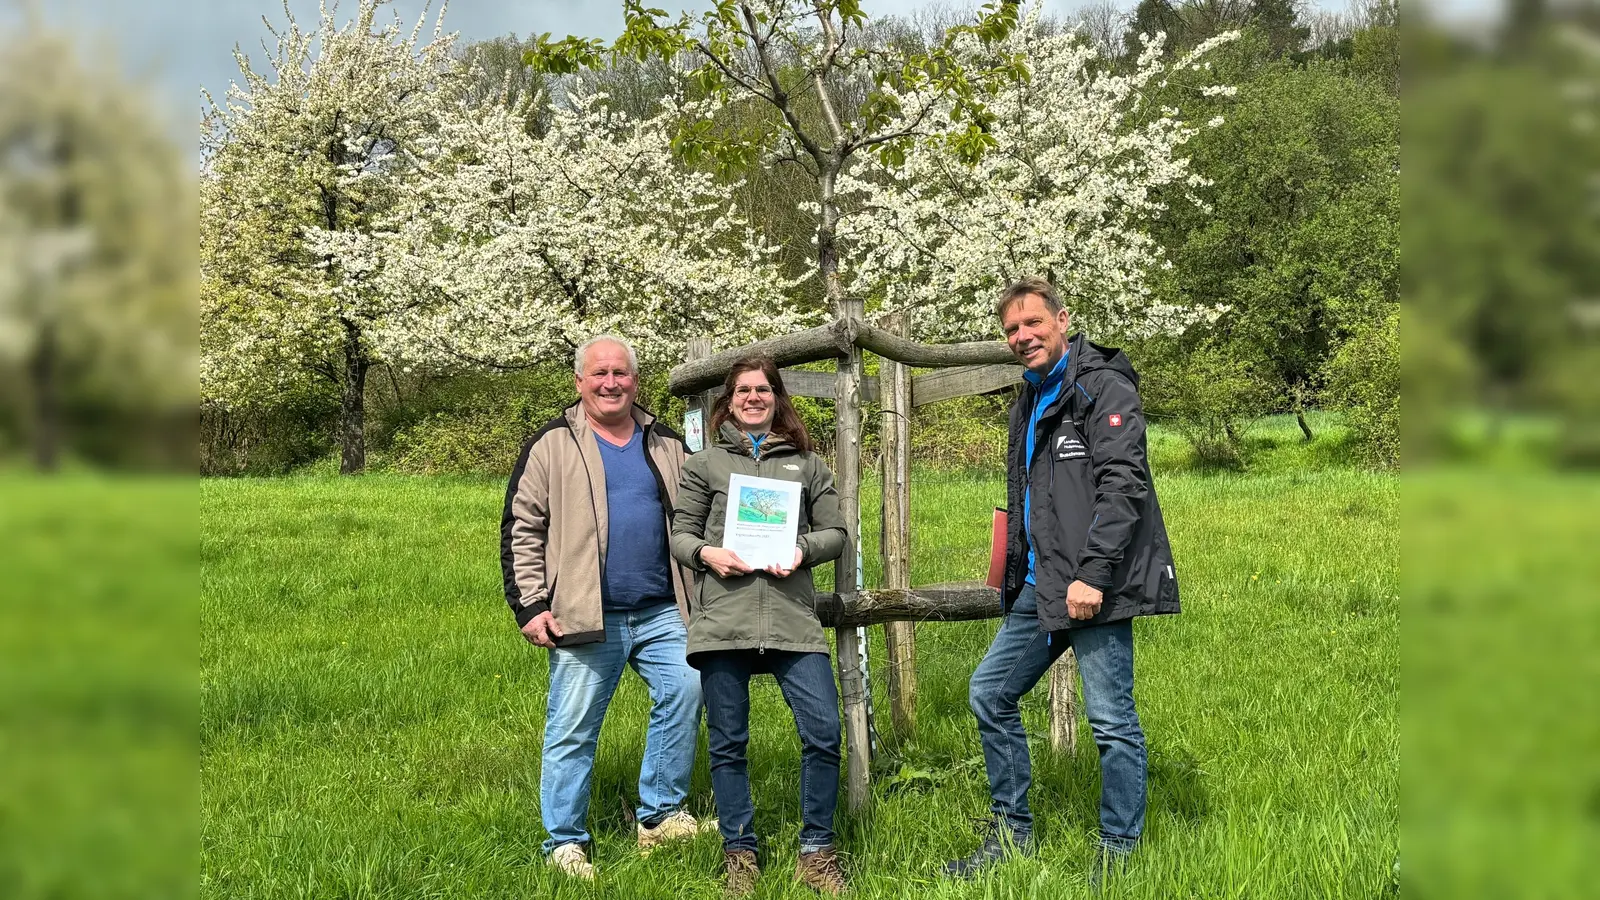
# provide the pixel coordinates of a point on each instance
(975, 367)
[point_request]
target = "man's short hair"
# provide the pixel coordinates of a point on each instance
(583, 351)
(1032, 285)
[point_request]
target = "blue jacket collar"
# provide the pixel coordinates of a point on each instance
(1055, 373)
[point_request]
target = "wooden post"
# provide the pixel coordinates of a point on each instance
(847, 461)
(1064, 704)
(899, 637)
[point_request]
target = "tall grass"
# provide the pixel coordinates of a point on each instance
(371, 719)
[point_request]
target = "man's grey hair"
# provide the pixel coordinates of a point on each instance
(1033, 286)
(583, 351)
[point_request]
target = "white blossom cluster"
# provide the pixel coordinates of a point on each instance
(514, 247)
(1077, 172)
(303, 162)
(358, 207)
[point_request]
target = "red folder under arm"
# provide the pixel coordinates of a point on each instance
(997, 551)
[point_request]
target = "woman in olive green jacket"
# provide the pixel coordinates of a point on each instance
(743, 621)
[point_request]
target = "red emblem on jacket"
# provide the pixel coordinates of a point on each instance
(1115, 420)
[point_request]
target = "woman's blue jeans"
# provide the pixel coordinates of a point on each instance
(806, 680)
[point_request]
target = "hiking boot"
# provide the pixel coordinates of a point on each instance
(820, 871)
(743, 872)
(1107, 862)
(679, 826)
(572, 860)
(997, 845)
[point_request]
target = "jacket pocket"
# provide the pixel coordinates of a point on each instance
(1072, 506)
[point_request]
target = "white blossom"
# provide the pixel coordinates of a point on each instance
(303, 164)
(515, 247)
(357, 208)
(1077, 173)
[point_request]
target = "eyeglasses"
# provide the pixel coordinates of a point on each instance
(760, 390)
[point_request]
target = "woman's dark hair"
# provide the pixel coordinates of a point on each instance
(785, 421)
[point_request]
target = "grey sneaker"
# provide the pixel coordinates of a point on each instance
(998, 844)
(573, 860)
(680, 826)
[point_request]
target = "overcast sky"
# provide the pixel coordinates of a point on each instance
(183, 45)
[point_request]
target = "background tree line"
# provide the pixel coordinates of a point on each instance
(1295, 235)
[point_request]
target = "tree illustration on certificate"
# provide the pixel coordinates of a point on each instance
(762, 506)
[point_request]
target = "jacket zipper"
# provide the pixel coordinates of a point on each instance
(595, 509)
(666, 504)
(761, 602)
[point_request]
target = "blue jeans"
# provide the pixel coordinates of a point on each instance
(582, 680)
(1018, 658)
(806, 680)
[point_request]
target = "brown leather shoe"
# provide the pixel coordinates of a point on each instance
(743, 872)
(820, 871)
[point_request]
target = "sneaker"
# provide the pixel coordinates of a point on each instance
(679, 826)
(743, 872)
(820, 871)
(997, 845)
(1107, 862)
(572, 860)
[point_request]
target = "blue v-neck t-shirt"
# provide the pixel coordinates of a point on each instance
(636, 574)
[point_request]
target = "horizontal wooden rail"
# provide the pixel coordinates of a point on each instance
(822, 342)
(911, 353)
(832, 341)
(806, 383)
(961, 601)
(963, 381)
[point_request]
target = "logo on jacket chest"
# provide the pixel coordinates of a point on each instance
(1070, 446)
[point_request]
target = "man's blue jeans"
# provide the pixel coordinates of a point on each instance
(582, 680)
(806, 680)
(1018, 658)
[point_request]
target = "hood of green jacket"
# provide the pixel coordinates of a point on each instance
(734, 440)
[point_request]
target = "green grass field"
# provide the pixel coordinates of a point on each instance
(371, 720)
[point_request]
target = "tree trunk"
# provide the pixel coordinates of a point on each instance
(899, 637)
(353, 408)
(43, 369)
(1300, 416)
(850, 641)
(847, 465)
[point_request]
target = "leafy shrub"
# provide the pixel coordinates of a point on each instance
(470, 423)
(266, 440)
(962, 433)
(1209, 392)
(478, 423)
(1363, 379)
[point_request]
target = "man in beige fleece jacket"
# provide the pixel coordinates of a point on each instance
(583, 548)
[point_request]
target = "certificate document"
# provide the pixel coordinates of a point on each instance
(763, 520)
